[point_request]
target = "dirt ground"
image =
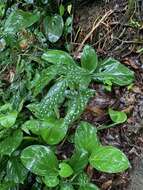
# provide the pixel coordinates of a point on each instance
(120, 35)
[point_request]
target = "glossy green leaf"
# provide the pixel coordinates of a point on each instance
(79, 160)
(66, 186)
(51, 180)
(42, 79)
(89, 58)
(117, 116)
(7, 120)
(53, 26)
(52, 131)
(77, 105)
(84, 182)
(52, 100)
(19, 20)
(65, 170)
(11, 143)
(86, 138)
(32, 125)
(109, 159)
(57, 56)
(16, 172)
(115, 72)
(54, 97)
(39, 159)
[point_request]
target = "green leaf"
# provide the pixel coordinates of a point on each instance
(32, 125)
(16, 172)
(52, 131)
(11, 143)
(7, 120)
(52, 100)
(61, 9)
(79, 161)
(84, 182)
(89, 58)
(89, 186)
(53, 26)
(65, 170)
(42, 79)
(113, 71)
(58, 56)
(51, 180)
(7, 186)
(54, 97)
(19, 20)
(77, 105)
(86, 138)
(39, 159)
(117, 116)
(66, 186)
(109, 159)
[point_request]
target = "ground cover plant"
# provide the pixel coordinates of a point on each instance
(44, 91)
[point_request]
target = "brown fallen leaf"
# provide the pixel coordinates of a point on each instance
(106, 185)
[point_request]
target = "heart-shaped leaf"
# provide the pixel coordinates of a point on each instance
(53, 26)
(39, 159)
(117, 116)
(52, 131)
(109, 159)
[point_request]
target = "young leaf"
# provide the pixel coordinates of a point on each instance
(109, 159)
(89, 58)
(86, 138)
(65, 170)
(19, 20)
(53, 26)
(11, 143)
(52, 131)
(51, 180)
(16, 172)
(58, 57)
(39, 159)
(115, 72)
(117, 116)
(79, 161)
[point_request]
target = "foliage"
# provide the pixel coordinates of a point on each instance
(43, 93)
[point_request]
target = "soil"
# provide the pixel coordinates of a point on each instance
(120, 36)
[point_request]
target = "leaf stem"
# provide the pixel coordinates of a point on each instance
(107, 126)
